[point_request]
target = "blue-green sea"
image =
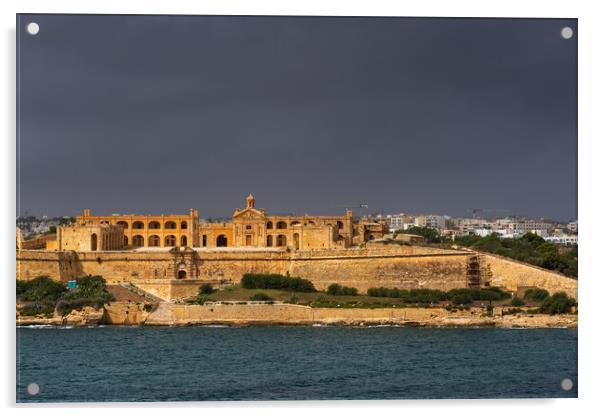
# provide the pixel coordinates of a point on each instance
(292, 363)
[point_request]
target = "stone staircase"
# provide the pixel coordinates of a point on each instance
(133, 288)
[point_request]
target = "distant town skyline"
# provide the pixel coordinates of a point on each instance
(139, 114)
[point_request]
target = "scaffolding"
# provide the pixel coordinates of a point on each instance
(478, 272)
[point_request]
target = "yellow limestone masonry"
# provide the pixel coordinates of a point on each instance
(158, 270)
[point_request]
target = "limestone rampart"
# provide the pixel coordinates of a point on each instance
(512, 274)
(389, 266)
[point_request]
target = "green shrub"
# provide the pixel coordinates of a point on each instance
(426, 296)
(516, 301)
(91, 288)
(493, 293)
(41, 289)
(21, 287)
(558, 303)
(276, 281)
(536, 294)
(37, 308)
(90, 291)
(337, 290)
(206, 289)
(261, 297)
(461, 299)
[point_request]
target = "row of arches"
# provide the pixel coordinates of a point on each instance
(155, 241)
(282, 225)
(280, 241)
(153, 225)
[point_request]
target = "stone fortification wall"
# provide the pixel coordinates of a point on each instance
(512, 274)
(390, 266)
(402, 267)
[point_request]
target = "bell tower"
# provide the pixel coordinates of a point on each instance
(250, 201)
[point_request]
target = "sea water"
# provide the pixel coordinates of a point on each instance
(292, 363)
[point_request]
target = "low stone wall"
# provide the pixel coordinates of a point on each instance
(285, 314)
(512, 274)
(181, 314)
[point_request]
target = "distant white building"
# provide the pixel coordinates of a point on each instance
(431, 221)
(523, 225)
(482, 232)
(399, 221)
(566, 240)
(572, 227)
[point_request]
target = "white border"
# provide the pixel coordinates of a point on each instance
(590, 111)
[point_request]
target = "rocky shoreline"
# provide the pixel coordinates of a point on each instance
(168, 314)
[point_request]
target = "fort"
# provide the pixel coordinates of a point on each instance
(171, 256)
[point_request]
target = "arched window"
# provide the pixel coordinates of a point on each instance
(221, 241)
(94, 242)
(125, 240)
(170, 225)
(154, 241)
(270, 241)
(295, 223)
(281, 225)
(270, 225)
(249, 227)
(138, 241)
(183, 241)
(170, 240)
(183, 225)
(138, 225)
(340, 225)
(281, 240)
(123, 224)
(204, 240)
(154, 225)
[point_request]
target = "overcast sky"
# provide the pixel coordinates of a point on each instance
(158, 114)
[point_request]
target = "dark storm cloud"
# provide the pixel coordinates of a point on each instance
(160, 114)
